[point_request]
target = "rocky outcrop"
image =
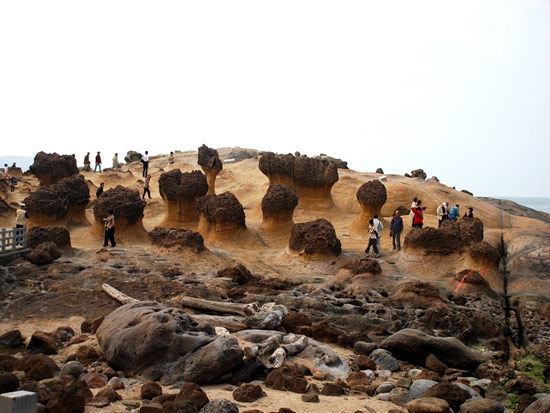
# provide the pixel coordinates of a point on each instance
(58, 235)
(471, 231)
(51, 168)
(44, 253)
(278, 207)
(177, 237)
(311, 178)
(484, 254)
(211, 165)
(363, 265)
(180, 192)
(132, 156)
(220, 214)
(418, 173)
(238, 274)
(372, 195)
(128, 211)
(61, 204)
(315, 237)
(415, 346)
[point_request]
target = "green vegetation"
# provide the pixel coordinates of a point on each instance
(512, 403)
(532, 366)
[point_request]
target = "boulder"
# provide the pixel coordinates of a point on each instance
(481, 405)
(7, 363)
(444, 241)
(278, 206)
(68, 400)
(42, 342)
(484, 254)
(417, 294)
(471, 231)
(192, 393)
(58, 235)
(51, 168)
(132, 156)
(108, 393)
(76, 190)
(248, 393)
(542, 405)
(8, 382)
(239, 274)
(87, 354)
(72, 368)
(91, 325)
(211, 165)
(287, 378)
(428, 405)
(418, 173)
(11, 339)
(44, 253)
(372, 195)
(220, 406)
(362, 266)
(37, 366)
(453, 394)
(180, 192)
(147, 338)
(384, 360)
(220, 213)
(177, 237)
(315, 237)
(150, 390)
(128, 211)
(414, 345)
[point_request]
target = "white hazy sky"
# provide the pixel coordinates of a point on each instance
(461, 89)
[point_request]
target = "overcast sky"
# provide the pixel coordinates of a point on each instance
(461, 89)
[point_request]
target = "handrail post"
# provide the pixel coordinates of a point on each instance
(3, 247)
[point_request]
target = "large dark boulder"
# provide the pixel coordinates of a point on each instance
(37, 366)
(11, 339)
(44, 253)
(372, 195)
(50, 168)
(60, 236)
(453, 394)
(445, 240)
(177, 237)
(279, 203)
(415, 346)
(125, 202)
(8, 382)
(147, 338)
(239, 274)
(471, 231)
(317, 236)
(363, 265)
(70, 399)
(132, 156)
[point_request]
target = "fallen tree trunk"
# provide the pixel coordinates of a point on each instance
(218, 306)
(232, 323)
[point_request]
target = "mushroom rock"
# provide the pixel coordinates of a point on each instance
(471, 230)
(127, 206)
(484, 254)
(77, 192)
(311, 178)
(220, 214)
(278, 207)
(372, 195)
(180, 192)
(61, 204)
(211, 165)
(177, 237)
(444, 240)
(60, 236)
(315, 237)
(51, 168)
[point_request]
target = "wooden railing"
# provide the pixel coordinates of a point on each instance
(13, 239)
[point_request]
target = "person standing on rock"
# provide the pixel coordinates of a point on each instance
(146, 187)
(110, 229)
(378, 227)
(418, 219)
(116, 164)
(171, 159)
(99, 190)
(413, 205)
(12, 180)
(469, 213)
(87, 162)
(373, 239)
(454, 213)
(396, 228)
(21, 217)
(441, 212)
(98, 162)
(145, 162)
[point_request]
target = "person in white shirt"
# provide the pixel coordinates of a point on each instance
(378, 227)
(145, 161)
(413, 206)
(21, 217)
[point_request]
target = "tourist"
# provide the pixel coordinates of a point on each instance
(110, 229)
(12, 180)
(146, 189)
(99, 190)
(98, 162)
(413, 205)
(14, 165)
(469, 213)
(116, 164)
(373, 239)
(454, 213)
(378, 227)
(21, 217)
(396, 228)
(145, 161)
(171, 159)
(441, 212)
(5, 167)
(418, 220)
(87, 162)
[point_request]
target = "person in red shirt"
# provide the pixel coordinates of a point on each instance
(418, 219)
(98, 162)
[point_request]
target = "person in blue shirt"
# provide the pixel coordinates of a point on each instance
(454, 213)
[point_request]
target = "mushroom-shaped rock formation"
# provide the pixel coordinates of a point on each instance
(211, 165)
(315, 237)
(177, 237)
(60, 204)
(127, 206)
(278, 207)
(484, 254)
(180, 192)
(51, 168)
(311, 178)
(58, 235)
(219, 214)
(372, 195)
(471, 231)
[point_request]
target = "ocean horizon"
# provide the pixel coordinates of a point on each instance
(538, 203)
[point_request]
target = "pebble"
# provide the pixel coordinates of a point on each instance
(385, 387)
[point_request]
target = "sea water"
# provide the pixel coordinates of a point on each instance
(540, 204)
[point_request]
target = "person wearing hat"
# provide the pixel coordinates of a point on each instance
(442, 213)
(21, 217)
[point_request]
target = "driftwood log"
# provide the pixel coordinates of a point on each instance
(219, 306)
(117, 295)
